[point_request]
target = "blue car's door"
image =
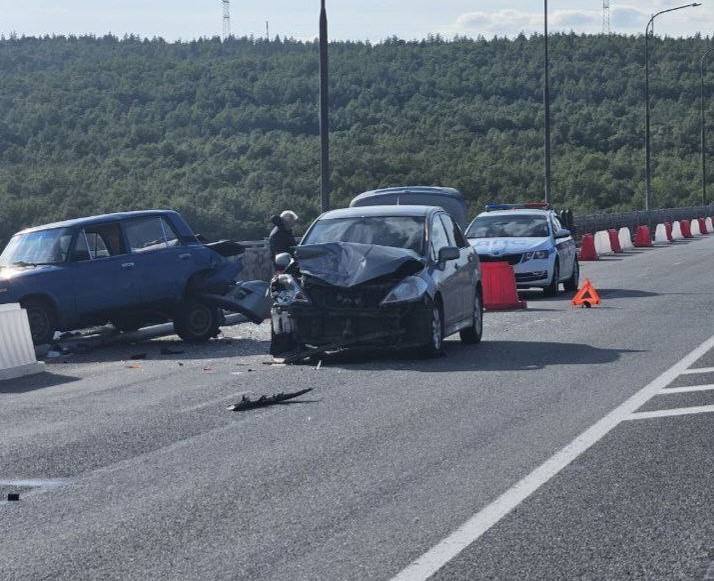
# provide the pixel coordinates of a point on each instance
(101, 270)
(162, 263)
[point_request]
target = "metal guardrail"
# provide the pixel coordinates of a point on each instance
(591, 223)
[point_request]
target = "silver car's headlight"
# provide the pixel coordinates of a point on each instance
(410, 289)
(286, 291)
(536, 255)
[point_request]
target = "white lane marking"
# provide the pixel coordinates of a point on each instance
(701, 409)
(435, 558)
(698, 370)
(686, 389)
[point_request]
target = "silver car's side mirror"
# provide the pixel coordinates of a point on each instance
(449, 253)
(283, 260)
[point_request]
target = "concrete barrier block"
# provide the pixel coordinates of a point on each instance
(602, 242)
(661, 234)
(17, 353)
(694, 225)
(625, 237)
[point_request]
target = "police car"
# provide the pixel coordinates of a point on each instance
(530, 238)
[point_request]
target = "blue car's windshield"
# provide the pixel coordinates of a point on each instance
(41, 247)
(508, 227)
(396, 231)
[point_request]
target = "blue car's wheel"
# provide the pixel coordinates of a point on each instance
(196, 321)
(42, 319)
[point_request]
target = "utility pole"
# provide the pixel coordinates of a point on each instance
(546, 106)
(324, 115)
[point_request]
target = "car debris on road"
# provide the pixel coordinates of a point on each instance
(263, 401)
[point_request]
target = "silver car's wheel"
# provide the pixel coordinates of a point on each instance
(474, 333)
(436, 340)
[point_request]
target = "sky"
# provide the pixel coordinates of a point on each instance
(367, 20)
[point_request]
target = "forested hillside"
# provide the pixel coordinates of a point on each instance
(227, 132)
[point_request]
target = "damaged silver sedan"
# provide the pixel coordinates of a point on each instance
(379, 276)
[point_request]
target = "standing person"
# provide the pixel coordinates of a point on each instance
(281, 238)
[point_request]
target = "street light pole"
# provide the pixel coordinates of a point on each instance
(648, 167)
(703, 129)
(546, 106)
(324, 115)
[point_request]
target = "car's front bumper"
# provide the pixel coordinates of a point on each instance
(397, 326)
(534, 272)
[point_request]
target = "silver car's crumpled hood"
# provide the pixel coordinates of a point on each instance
(348, 264)
(501, 246)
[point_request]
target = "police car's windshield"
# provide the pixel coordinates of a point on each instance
(508, 227)
(397, 231)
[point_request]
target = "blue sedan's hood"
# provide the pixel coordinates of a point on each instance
(500, 246)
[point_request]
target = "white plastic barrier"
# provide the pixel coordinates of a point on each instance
(625, 237)
(694, 224)
(710, 226)
(661, 234)
(17, 354)
(602, 243)
(677, 231)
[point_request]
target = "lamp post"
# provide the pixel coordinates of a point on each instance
(546, 107)
(703, 129)
(648, 168)
(324, 116)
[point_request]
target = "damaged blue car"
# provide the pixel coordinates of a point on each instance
(131, 269)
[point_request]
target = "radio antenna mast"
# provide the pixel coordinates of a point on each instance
(606, 17)
(226, 18)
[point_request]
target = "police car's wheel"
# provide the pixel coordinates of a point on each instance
(474, 333)
(552, 289)
(572, 283)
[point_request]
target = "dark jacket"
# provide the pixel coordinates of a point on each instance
(281, 238)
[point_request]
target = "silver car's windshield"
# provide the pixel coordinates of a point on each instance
(508, 227)
(40, 247)
(396, 231)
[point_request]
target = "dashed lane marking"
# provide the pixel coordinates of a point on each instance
(435, 558)
(686, 389)
(702, 409)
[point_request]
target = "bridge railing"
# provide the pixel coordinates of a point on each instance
(591, 223)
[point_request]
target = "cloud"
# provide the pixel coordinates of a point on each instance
(512, 22)
(628, 17)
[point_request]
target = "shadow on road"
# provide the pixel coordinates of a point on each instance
(487, 356)
(160, 350)
(33, 382)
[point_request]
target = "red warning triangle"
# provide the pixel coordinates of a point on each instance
(587, 296)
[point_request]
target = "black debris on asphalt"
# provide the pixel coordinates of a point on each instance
(169, 351)
(263, 401)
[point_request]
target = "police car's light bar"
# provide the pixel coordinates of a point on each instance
(523, 206)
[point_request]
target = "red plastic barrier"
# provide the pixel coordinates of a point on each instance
(668, 230)
(642, 237)
(587, 248)
(686, 228)
(703, 226)
(499, 287)
(614, 240)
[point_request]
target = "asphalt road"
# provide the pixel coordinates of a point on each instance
(135, 469)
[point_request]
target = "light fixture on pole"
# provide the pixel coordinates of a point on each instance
(702, 124)
(648, 167)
